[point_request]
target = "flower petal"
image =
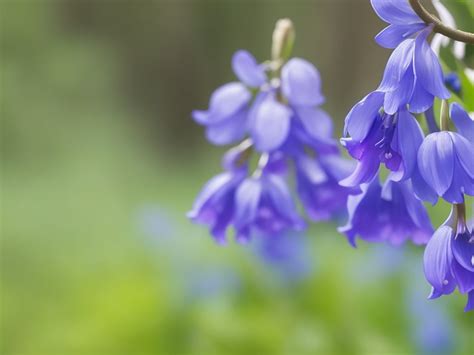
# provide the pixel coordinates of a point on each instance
(422, 190)
(464, 278)
(427, 67)
(317, 123)
(463, 122)
(399, 97)
(225, 101)
(229, 131)
(395, 11)
(436, 161)
(271, 125)
(393, 35)
(301, 83)
(470, 302)
(465, 152)
(247, 69)
(410, 137)
(360, 119)
(421, 100)
(280, 195)
(397, 65)
(247, 199)
(437, 259)
(219, 184)
(463, 250)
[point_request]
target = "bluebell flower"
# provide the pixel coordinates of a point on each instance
(449, 260)
(264, 109)
(376, 138)
(214, 205)
(318, 185)
(387, 214)
(413, 75)
(264, 204)
(453, 82)
(445, 159)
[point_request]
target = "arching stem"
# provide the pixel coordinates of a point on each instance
(440, 27)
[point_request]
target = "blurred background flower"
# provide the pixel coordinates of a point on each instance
(101, 160)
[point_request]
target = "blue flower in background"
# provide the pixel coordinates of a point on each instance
(449, 260)
(287, 254)
(387, 214)
(453, 82)
(377, 138)
(445, 159)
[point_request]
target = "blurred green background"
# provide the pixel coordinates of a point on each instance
(100, 162)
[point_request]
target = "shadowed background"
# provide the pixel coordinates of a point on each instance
(101, 161)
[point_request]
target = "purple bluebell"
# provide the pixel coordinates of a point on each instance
(265, 109)
(264, 204)
(413, 75)
(318, 185)
(445, 159)
(214, 205)
(376, 138)
(449, 259)
(387, 214)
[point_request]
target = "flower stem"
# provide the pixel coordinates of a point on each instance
(440, 27)
(444, 116)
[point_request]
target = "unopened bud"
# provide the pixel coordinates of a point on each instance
(283, 39)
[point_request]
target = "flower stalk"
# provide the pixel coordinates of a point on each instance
(439, 27)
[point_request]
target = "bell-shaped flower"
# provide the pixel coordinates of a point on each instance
(264, 204)
(387, 214)
(376, 138)
(214, 206)
(445, 159)
(449, 261)
(413, 76)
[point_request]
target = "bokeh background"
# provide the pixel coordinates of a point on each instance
(101, 161)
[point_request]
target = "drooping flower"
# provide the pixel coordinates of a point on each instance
(413, 75)
(376, 138)
(445, 159)
(387, 214)
(449, 260)
(264, 204)
(214, 205)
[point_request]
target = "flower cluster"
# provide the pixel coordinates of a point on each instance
(382, 129)
(274, 112)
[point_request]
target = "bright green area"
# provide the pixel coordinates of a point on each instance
(79, 273)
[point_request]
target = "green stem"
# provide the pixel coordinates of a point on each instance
(440, 27)
(444, 116)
